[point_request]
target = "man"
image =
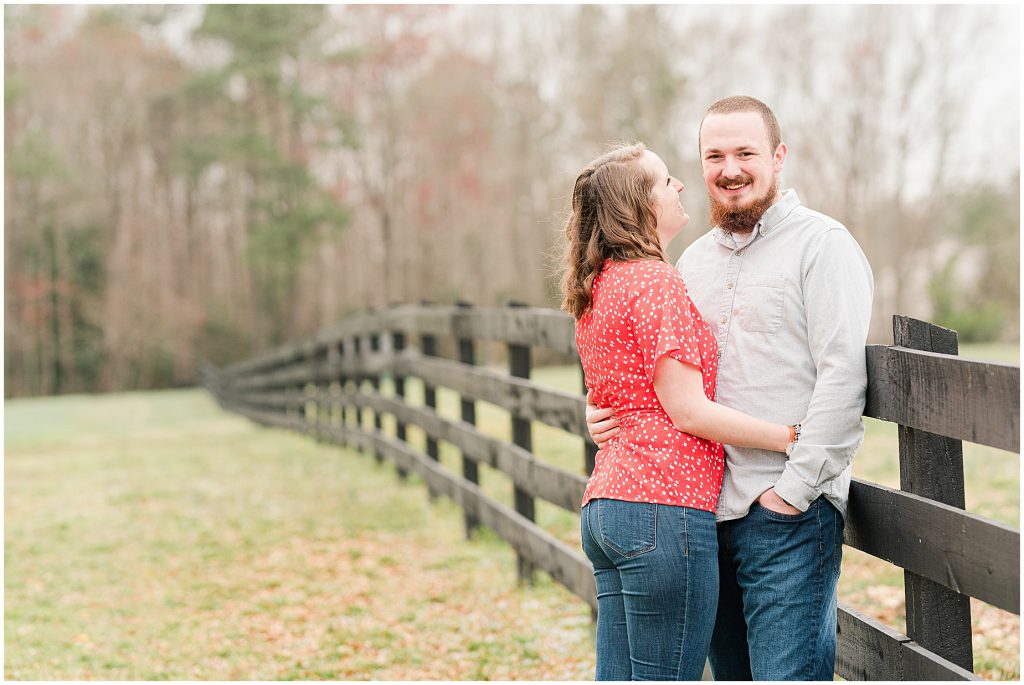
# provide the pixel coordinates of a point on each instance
(787, 291)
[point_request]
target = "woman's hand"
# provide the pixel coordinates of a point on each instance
(601, 423)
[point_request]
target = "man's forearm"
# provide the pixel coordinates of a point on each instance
(838, 291)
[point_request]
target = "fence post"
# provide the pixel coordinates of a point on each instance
(932, 466)
(398, 344)
(334, 387)
(358, 345)
(589, 459)
(522, 435)
(428, 348)
(375, 383)
(321, 366)
(345, 347)
(305, 362)
(470, 469)
(589, 448)
(300, 392)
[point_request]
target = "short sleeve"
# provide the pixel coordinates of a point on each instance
(662, 321)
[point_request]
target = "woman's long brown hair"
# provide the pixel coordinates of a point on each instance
(612, 217)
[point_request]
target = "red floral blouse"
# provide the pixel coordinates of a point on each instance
(641, 311)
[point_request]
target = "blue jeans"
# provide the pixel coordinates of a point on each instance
(656, 570)
(777, 595)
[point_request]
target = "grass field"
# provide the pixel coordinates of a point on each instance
(152, 536)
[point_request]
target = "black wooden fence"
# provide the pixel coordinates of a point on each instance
(326, 385)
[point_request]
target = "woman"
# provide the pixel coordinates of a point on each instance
(648, 513)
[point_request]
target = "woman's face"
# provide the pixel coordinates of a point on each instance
(665, 196)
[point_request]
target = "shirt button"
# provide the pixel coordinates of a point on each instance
(728, 286)
(723, 319)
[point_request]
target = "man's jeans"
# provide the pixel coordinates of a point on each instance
(777, 596)
(656, 570)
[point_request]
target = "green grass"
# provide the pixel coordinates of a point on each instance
(152, 536)
(1006, 353)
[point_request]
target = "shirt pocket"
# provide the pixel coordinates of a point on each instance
(759, 304)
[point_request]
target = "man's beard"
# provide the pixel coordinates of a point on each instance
(742, 218)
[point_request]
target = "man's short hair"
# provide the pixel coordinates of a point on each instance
(745, 103)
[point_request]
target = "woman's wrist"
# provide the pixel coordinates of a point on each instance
(794, 438)
(787, 437)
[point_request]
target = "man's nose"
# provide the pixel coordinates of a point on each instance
(731, 169)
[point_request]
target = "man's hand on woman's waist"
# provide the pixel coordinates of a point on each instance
(601, 423)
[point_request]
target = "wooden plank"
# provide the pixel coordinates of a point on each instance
(548, 482)
(522, 398)
(964, 552)
(538, 478)
(438, 320)
(357, 325)
(367, 365)
(308, 361)
(283, 355)
(529, 326)
(869, 650)
(951, 396)
(294, 374)
(932, 466)
(267, 418)
(269, 400)
(561, 488)
(865, 648)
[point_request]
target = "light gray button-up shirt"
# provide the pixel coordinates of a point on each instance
(790, 309)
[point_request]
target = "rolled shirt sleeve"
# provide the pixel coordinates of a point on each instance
(838, 289)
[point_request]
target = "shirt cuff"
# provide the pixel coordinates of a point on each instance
(795, 491)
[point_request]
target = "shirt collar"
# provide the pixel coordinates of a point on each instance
(773, 216)
(786, 203)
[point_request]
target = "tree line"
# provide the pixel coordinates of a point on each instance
(205, 182)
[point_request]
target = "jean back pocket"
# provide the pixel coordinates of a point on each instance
(628, 528)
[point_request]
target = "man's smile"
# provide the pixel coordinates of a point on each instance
(734, 186)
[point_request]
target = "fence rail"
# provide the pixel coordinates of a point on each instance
(322, 386)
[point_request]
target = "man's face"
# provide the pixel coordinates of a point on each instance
(741, 171)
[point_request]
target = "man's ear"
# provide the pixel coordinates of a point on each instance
(780, 157)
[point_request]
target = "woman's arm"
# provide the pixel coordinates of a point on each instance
(680, 387)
